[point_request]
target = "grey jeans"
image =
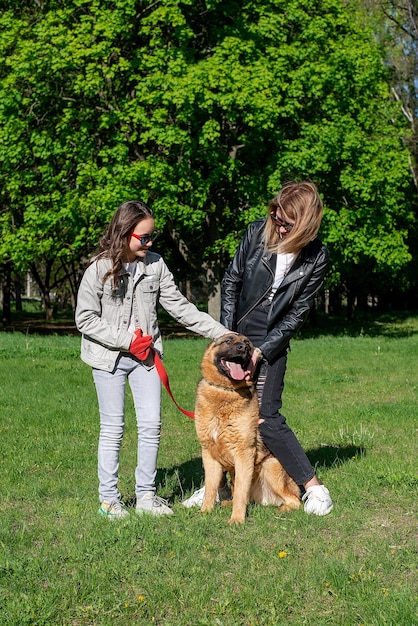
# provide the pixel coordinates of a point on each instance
(111, 391)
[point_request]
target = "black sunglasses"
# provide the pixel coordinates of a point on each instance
(278, 222)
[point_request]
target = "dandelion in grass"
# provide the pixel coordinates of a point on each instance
(282, 554)
(328, 588)
(141, 598)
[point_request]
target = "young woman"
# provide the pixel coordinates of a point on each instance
(117, 316)
(267, 293)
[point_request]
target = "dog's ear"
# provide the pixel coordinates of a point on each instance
(249, 343)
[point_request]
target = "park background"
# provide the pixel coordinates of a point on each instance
(203, 109)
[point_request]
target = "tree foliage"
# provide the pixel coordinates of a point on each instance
(203, 109)
(395, 25)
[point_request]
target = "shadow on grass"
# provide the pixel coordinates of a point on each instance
(333, 456)
(189, 476)
(183, 479)
(395, 325)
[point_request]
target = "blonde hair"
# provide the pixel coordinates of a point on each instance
(300, 204)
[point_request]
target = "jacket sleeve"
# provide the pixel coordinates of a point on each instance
(232, 281)
(88, 315)
(184, 311)
(279, 336)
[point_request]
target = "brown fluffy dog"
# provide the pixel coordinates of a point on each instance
(226, 419)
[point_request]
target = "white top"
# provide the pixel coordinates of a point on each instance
(283, 264)
(131, 268)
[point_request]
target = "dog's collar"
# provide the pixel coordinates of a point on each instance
(234, 389)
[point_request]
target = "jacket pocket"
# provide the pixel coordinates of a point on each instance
(94, 350)
(114, 296)
(97, 355)
(149, 288)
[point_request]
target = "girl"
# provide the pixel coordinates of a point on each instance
(117, 302)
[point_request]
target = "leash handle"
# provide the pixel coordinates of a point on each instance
(162, 373)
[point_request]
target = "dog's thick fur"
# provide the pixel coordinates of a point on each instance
(226, 419)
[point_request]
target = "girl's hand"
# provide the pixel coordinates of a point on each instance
(140, 345)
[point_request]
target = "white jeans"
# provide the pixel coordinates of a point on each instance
(146, 391)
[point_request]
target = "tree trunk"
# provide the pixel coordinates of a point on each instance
(44, 287)
(214, 302)
(18, 291)
(351, 305)
(214, 292)
(6, 288)
(49, 310)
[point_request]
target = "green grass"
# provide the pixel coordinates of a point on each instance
(352, 400)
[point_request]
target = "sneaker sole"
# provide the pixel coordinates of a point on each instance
(155, 514)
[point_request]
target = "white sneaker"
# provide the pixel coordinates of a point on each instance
(113, 510)
(150, 503)
(317, 500)
(196, 499)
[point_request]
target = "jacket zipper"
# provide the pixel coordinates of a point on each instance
(262, 297)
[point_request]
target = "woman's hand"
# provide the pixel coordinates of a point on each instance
(256, 357)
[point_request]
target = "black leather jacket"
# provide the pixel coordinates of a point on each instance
(248, 281)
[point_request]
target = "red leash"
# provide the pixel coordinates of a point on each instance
(162, 373)
(141, 346)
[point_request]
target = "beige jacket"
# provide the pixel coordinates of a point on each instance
(103, 313)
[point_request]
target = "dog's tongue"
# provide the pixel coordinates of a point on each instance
(235, 370)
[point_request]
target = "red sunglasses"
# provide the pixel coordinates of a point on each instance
(144, 239)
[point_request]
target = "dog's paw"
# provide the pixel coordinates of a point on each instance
(207, 508)
(290, 506)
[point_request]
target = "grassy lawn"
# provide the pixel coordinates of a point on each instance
(352, 400)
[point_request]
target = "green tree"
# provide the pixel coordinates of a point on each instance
(395, 24)
(203, 109)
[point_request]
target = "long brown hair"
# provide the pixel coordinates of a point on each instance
(115, 240)
(300, 204)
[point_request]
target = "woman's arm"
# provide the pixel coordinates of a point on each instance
(232, 281)
(280, 335)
